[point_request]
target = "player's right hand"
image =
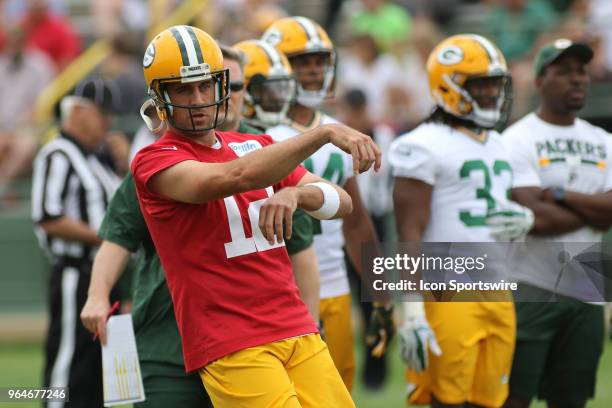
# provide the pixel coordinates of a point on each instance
(276, 215)
(416, 340)
(95, 314)
(360, 146)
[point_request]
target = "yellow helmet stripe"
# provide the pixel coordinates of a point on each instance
(309, 28)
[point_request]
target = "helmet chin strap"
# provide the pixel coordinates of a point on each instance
(147, 119)
(310, 99)
(271, 118)
(486, 118)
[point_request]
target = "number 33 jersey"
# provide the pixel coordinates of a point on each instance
(469, 177)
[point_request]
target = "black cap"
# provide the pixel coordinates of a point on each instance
(104, 93)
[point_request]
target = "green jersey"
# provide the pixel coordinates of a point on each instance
(157, 336)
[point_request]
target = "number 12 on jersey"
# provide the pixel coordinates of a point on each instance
(240, 244)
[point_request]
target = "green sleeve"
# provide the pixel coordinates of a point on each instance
(247, 128)
(123, 222)
(302, 234)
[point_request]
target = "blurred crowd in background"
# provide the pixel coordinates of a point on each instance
(382, 45)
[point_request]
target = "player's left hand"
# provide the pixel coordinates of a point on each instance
(508, 225)
(276, 215)
(381, 329)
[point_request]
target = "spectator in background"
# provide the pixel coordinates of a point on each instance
(125, 69)
(599, 17)
(71, 188)
(385, 21)
(375, 189)
(50, 34)
(232, 21)
(115, 17)
(516, 25)
(26, 73)
(377, 74)
(440, 11)
(331, 16)
(426, 35)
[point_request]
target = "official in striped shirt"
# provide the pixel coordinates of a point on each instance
(71, 189)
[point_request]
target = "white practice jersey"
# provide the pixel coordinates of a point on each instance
(332, 164)
(469, 179)
(577, 158)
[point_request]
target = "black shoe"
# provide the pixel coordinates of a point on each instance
(375, 370)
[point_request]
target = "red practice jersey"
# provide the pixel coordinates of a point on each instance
(231, 289)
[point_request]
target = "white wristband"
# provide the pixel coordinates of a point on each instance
(331, 201)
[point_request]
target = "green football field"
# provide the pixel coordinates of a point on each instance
(20, 365)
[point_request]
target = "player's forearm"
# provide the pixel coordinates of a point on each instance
(268, 166)
(311, 198)
(550, 217)
(108, 267)
(595, 209)
(71, 230)
(358, 227)
(357, 231)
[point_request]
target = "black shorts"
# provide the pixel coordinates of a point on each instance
(72, 358)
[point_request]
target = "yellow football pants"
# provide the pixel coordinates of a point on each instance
(335, 313)
(477, 341)
(291, 373)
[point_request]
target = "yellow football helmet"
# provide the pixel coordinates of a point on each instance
(462, 58)
(186, 54)
(295, 36)
(270, 87)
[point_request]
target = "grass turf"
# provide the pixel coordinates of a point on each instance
(21, 365)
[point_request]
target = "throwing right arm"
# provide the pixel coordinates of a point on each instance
(196, 182)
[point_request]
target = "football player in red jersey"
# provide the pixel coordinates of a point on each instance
(218, 205)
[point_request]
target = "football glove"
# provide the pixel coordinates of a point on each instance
(417, 338)
(381, 329)
(511, 223)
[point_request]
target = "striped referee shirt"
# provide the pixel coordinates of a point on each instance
(70, 181)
